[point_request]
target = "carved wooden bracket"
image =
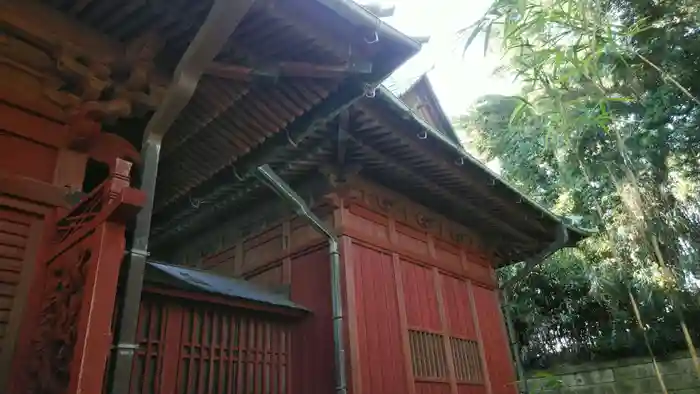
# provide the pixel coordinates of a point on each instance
(86, 136)
(77, 69)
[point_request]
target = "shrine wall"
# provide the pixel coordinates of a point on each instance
(287, 255)
(33, 174)
(421, 300)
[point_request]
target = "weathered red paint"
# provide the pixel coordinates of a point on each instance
(494, 339)
(312, 339)
(432, 388)
(458, 307)
(381, 349)
(408, 279)
(420, 297)
(403, 277)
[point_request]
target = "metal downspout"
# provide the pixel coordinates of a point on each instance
(280, 187)
(530, 264)
(220, 23)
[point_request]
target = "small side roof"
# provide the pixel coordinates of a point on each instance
(194, 280)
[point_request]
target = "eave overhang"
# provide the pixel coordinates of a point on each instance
(455, 173)
(394, 147)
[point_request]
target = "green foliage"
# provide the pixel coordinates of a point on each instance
(606, 129)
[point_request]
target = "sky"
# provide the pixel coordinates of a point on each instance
(458, 79)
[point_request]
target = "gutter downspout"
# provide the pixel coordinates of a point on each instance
(222, 19)
(530, 264)
(279, 186)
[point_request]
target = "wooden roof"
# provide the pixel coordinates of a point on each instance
(390, 144)
(272, 95)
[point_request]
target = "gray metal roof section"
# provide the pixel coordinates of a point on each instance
(190, 279)
(359, 15)
(409, 73)
(398, 85)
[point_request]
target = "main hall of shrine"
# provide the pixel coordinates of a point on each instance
(227, 196)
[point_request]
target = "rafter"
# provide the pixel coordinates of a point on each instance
(439, 161)
(287, 69)
(455, 201)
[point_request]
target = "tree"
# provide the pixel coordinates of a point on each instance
(606, 129)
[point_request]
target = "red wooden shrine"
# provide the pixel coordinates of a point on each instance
(422, 306)
(132, 132)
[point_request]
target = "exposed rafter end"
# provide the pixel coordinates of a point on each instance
(288, 69)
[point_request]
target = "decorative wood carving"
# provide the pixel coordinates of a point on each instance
(71, 69)
(66, 333)
(381, 200)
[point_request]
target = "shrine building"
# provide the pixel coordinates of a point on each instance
(220, 196)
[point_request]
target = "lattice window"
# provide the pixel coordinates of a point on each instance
(214, 350)
(428, 355)
(148, 359)
(467, 360)
(225, 353)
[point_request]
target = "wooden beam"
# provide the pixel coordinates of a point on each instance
(349, 91)
(253, 216)
(33, 190)
(180, 218)
(287, 69)
(51, 29)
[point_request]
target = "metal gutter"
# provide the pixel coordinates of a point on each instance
(279, 186)
(220, 23)
(386, 95)
(359, 15)
(530, 264)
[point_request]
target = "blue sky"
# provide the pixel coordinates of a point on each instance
(458, 79)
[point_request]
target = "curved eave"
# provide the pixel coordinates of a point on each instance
(436, 147)
(359, 15)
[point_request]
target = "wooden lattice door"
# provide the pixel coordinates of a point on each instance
(198, 348)
(66, 330)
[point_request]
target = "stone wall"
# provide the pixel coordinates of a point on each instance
(630, 376)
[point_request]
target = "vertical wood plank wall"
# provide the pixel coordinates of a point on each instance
(413, 282)
(288, 256)
(200, 348)
(413, 289)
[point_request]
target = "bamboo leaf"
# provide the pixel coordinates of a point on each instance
(487, 36)
(522, 106)
(472, 36)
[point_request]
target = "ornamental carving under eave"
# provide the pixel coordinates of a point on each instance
(63, 78)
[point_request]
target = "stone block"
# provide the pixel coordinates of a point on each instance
(678, 366)
(681, 381)
(634, 372)
(588, 378)
(685, 391)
